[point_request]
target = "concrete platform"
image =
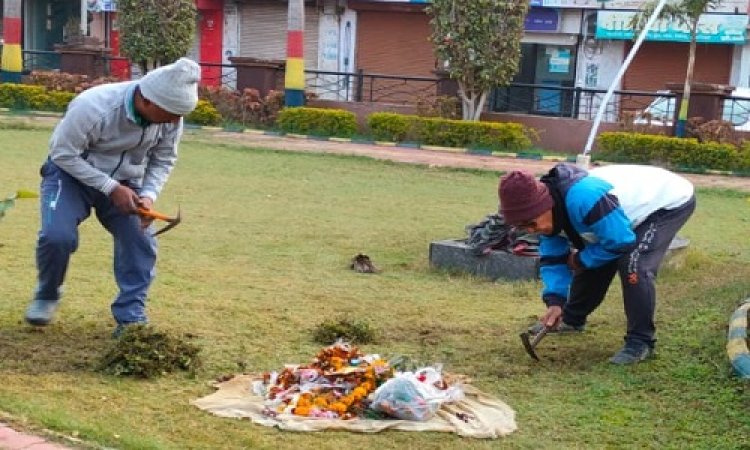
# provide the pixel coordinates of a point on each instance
(454, 254)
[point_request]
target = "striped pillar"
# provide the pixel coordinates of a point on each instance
(11, 64)
(294, 80)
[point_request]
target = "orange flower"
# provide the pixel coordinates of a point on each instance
(359, 393)
(301, 411)
(338, 408)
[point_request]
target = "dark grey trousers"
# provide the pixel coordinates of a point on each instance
(638, 270)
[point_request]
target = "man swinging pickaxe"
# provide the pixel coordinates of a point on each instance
(152, 215)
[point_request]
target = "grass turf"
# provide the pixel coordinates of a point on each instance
(262, 257)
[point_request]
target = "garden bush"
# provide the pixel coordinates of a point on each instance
(450, 133)
(66, 82)
(673, 152)
(204, 114)
(318, 121)
(246, 107)
(24, 97)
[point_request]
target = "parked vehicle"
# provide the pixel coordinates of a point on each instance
(662, 110)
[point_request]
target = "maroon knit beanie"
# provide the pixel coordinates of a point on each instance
(522, 197)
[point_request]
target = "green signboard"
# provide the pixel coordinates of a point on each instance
(712, 28)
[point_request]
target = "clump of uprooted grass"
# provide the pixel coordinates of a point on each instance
(354, 331)
(144, 352)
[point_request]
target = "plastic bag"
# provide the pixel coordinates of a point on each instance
(414, 396)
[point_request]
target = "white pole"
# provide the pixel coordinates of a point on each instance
(84, 18)
(584, 158)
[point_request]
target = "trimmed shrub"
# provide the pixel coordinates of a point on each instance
(450, 133)
(204, 114)
(674, 152)
(389, 126)
(23, 96)
(318, 121)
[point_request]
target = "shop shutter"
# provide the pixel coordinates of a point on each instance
(394, 43)
(658, 63)
(263, 29)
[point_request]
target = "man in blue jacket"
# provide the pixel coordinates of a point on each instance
(112, 152)
(618, 218)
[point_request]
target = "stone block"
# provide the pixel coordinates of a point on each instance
(454, 254)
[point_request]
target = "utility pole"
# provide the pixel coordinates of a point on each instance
(294, 80)
(11, 63)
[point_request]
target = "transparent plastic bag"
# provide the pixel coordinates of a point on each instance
(414, 396)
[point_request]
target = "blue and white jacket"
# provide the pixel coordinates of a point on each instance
(596, 212)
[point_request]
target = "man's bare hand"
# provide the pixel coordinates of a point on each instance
(552, 316)
(145, 203)
(125, 199)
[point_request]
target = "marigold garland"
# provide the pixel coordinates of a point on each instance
(335, 384)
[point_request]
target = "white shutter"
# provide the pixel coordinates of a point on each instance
(263, 30)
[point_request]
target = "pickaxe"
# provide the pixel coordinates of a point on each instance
(151, 214)
(529, 342)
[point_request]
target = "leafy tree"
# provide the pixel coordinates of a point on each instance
(687, 13)
(479, 42)
(156, 32)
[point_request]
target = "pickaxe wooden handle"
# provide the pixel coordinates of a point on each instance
(171, 221)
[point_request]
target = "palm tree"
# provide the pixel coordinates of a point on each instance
(686, 12)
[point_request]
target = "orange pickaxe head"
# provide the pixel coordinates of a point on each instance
(171, 221)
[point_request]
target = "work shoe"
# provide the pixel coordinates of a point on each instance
(632, 354)
(40, 312)
(561, 328)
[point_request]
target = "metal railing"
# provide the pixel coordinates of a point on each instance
(524, 98)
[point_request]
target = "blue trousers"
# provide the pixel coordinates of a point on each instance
(65, 203)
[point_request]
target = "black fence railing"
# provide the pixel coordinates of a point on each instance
(641, 107)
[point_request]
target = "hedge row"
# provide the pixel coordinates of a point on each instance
(674, 152)
(616, 147)
(24, 97)
(450, 133)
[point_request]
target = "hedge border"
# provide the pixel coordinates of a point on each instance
(405, 145)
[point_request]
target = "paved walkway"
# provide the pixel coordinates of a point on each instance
(437, 158)
(11, 439)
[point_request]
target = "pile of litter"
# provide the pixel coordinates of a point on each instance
(343, 388)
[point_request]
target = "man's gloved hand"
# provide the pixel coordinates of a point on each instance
(573, 263)
(125, 199)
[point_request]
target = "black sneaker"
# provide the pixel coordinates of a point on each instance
(561, 328)
(632, 354)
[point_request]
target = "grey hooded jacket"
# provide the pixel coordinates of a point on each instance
(100, 143)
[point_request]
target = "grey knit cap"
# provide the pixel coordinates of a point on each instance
(173, 87)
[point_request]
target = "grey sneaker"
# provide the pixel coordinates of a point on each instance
(561, 328)
(40, 312)
(632, 354)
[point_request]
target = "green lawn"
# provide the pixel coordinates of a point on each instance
(261, 258)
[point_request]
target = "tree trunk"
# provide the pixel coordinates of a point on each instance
(683, 114)
(472, 102)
